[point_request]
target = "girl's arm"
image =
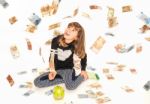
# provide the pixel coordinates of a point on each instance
(52, 54)
(83, 67)
(52, 73)
(51, 62)
(84, 63)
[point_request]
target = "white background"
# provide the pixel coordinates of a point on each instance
(126, 32)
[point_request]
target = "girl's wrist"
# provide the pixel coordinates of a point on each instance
(52, 70)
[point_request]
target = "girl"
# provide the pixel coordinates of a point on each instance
(70, 57)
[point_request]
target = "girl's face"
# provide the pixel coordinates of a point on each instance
(70, 34)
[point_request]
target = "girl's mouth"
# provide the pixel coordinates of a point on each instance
(66, 34)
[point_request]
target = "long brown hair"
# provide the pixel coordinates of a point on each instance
(79, 43)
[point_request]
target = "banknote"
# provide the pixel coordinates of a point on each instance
(99, 93)
(147, 21)
(45, 10)
(40, 51)
(31, 28)
(95, 85)
(105, 70)
(67, 17)
(112, 22)
(4, 3)
(53, 26)
(83, 95)
(112, 63)
(23, 86)
(94, 7)
(103, 100)
(34, 70)
(14, 51)
(91, 68)
(29, 45)
(56, 32)
(26, 85)
(130, 48)
(110, 13)
(75, 12)
(86, 15)
(48, 42)
(121, 48)
(109, 76)
(144, 28)
(13, 20)
(120, 67)
(54, 5)
(147, 38)
(109, 34)
(93, 94)
(127, 8)
(22, 72)
(34, 19)
(49, 92)
(138, 48)
(98, 44)
(127, 89)
(133, 71)
(28, 93)
(10, 80)
(142, 16)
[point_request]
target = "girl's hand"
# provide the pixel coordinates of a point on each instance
(52, 74)
(84, 74)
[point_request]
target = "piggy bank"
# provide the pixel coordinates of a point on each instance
(58, 92)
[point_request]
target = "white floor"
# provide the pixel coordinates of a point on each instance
(126, 32)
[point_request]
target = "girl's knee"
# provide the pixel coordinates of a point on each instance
(70, 88)
(37, 83)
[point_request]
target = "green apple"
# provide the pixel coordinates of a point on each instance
(58, 92)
